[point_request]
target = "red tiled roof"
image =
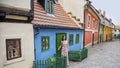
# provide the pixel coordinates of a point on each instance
(60, 17)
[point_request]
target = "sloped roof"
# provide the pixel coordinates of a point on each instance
(117, 27)
(94, 9)
(60, 17)
(103, 20)
(101, 17)
(89, 6)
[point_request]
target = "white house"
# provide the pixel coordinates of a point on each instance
(16, 34)
(75, 7)
(116, 32)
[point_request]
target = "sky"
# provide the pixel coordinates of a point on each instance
(111, 7)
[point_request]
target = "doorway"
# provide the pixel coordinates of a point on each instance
(58, 41)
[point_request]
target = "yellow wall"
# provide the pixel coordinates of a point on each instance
(107, 33)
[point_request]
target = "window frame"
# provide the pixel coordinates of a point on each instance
(20, 52)
(45, 43)
(77, 38)
(89, 19)
(97, 24)
(49, 7)
(93, 23)
(71, 39)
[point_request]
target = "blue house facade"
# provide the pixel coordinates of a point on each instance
(49, 27)
(52, 46)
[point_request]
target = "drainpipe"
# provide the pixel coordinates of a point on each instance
(84, 30)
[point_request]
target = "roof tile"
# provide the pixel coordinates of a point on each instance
(60, 17)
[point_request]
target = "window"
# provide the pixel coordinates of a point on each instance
(88, 20)
(97, 25)
(71, 39)
(77, 38)
(45, 43)
(49, 6)
(93, 24)
(2, 16)
(13, 48)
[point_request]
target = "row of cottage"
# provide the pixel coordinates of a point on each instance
(32, 29)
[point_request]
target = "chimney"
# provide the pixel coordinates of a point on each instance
(104, 13)
(89, 2)
(110, 20)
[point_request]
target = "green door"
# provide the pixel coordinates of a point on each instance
(58, 41)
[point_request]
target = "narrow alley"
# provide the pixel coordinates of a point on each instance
(104, 55)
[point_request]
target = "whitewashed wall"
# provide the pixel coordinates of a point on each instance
(16, 30)
(24, 4)
(74, 6)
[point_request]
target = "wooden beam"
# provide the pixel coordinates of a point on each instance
(16, 17)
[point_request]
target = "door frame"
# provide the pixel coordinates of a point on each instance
(56, 39)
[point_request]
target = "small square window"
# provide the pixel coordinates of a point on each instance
(71, 39)
(13, 48)
(77, 38)
(45, 43)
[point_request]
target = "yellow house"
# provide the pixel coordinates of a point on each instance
(107, 33)
(108, 27)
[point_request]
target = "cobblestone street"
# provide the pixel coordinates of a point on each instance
(103, 55)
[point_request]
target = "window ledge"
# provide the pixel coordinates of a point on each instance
(52, 15)
(88, 27)
(8, 62)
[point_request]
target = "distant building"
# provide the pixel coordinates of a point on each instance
(116, 32)
(106, 27)
(108, 30)
(101, 26)
(16, 34)
(92, 21)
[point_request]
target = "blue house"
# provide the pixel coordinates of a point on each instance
(50, 23)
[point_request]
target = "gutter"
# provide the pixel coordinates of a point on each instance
(84, 30)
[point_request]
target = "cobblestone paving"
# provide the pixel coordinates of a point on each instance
(104, 55)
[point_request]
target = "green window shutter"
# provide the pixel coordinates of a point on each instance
(48, 43)
(47, 6)
(50, 6)
(77, 38)
(52, 11)
(71, 37)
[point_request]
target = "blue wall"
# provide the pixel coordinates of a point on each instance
(42, 55)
